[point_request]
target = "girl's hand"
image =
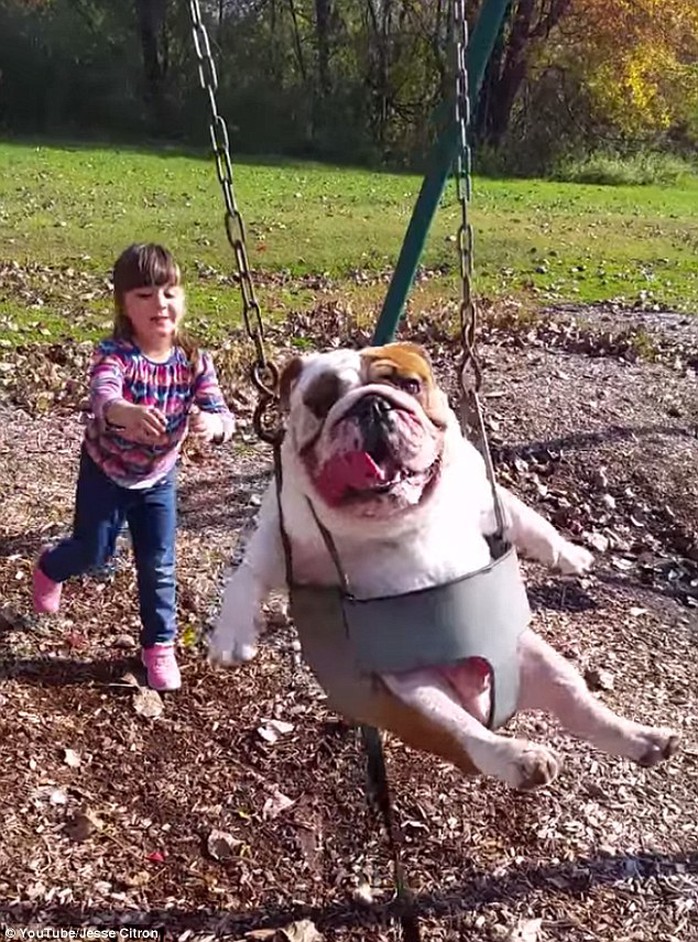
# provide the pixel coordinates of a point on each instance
(145, 424)
(205, 426)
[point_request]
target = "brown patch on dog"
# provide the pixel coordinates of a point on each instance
(402, 363)
(322, 393)
(289, 375)
(406, 360)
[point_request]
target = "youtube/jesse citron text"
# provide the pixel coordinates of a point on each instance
(87, 933)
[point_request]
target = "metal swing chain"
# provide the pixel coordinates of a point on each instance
(264, 372)
(471, 410)
(377, 775)
(468, 308)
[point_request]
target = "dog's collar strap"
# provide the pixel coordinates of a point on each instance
(285, 542)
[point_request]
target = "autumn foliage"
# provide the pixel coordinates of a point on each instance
(355, 79)
(637, 58)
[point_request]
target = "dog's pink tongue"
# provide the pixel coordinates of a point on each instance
(355, 469)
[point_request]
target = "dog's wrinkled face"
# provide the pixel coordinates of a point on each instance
(368, 427)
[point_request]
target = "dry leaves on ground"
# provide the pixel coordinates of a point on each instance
(239, 809)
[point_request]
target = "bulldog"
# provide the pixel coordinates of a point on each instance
(375, 454)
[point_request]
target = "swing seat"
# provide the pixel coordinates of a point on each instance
(347, 641)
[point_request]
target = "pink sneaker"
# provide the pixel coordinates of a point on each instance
(47, 593)
(161, 665)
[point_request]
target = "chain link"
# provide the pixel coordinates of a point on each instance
(472, 415)
(468, 308)
(264, 372)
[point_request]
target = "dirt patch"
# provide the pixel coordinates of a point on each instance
(108, 816)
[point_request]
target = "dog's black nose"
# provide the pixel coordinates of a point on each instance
(374, 416)
(372, 410)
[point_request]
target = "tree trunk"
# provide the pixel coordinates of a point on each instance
(298, 46)
(530, 20)
(323, 18)
(151, 27)
(380, 16)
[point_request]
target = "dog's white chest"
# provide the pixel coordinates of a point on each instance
(449, 545)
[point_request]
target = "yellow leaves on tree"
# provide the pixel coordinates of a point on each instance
(639, 59)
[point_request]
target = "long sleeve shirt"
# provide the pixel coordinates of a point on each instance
(121, 372)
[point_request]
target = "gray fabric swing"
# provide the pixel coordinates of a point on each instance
(348, 641)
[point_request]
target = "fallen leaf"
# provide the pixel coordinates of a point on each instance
(304, 931)
(623, 564)
(155, 857)
(599, 679)
(82, 825)
(148, 703)
(526, 930)
(301, 931)
(363, 894)
(222, 845)
(190, 636)
(596, 541)
(136, 879)
(275, 804)
(124, 643)
(36, 890)
(271, 730)
(281, 726)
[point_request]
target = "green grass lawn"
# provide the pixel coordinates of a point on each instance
(66, 212)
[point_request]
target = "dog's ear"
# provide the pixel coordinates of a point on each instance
(290, 373)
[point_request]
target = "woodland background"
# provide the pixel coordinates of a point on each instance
(357, 80)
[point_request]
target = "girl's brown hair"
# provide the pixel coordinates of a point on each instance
(146, 265)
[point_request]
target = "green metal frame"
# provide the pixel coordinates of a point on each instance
(487, 29)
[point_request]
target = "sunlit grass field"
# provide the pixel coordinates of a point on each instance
(73, 208)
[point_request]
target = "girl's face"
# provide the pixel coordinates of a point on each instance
(154, 312)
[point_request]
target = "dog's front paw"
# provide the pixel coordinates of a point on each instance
(574, 560)
(660, 743)
(229, 647)
(528, 765)
(535, 768)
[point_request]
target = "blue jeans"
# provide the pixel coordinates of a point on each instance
(101, 506)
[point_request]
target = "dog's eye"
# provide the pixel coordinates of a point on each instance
(409, 384)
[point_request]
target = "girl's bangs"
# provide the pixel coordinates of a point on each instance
(142, 266)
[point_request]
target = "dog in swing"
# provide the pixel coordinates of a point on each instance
(374, 452)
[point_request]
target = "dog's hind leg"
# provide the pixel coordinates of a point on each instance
(522, 765)
(550, 683)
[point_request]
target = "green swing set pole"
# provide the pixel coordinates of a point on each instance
(487, 28)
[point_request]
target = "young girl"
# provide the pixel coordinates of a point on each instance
(149, 386)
